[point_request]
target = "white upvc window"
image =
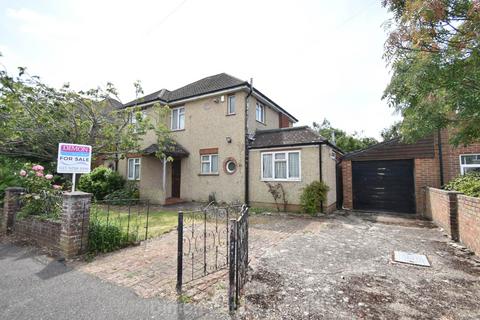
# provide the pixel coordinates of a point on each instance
(209, 164)
(178, 118)
(231, 105)
(469, 163)
(133, 119)
(281, 166)
(260, 112)
(133, 169)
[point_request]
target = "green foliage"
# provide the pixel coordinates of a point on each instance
(391, 132)
(468, 184)
(41, 197)
(343, 140)
(104, 237)
(35, 117)
(101, 182)
(125, 195)
(9, 175)
(434, 53)
(312, 195)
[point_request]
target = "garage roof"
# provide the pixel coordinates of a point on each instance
(395, 150)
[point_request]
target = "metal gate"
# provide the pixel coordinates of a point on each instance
(208, 241)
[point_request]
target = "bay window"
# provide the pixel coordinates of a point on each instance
(281, 166)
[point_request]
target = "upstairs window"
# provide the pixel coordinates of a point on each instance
(178, 118)
(133, 120)
(260, 113)
(133, 170)
(209, 164)
(281, 166)
(469, 163)
(231, 105)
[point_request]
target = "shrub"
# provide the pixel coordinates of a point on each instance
(100, 182)
(468, 184)
(312, 195)
(104, 238)
(9, 176)
(124, 195)
(41, 197)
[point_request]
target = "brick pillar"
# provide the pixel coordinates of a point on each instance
(11, 206)
(75, 222)
(453, 210)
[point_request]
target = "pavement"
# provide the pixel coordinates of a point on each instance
(34, 286)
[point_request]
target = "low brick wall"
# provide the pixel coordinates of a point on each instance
(469, 222)
(43, 233)
(67, 237)
(441, 207)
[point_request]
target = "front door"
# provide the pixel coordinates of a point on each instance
(176, 177)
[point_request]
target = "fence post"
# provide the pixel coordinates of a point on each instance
(180, 252)
(232, 265)
(11, 206)
(75, 214)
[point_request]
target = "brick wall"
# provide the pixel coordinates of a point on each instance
(426, 175)
(441, 207)
(44, 233)
(469, 222)
(347, 184)
(451, 155)
(67, 237)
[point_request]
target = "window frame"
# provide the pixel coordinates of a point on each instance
(139, 164)
(133, 119)
(209, 161)
(263, 112)
(464, 166)
(181, 110)
(229, 111)
(286, 152)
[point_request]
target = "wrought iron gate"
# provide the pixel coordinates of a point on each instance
(211, 239)
(238, 260)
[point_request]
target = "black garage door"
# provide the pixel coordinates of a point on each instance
(386, 185)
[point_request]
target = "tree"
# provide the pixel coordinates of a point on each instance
(344, 141)
(391, 132)
(433, 50)
(35, 117)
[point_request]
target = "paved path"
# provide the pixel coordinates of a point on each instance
(33, 286)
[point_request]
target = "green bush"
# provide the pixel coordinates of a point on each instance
(312, 195)
(100, 182)
(104, 237)
(468, 184)
(9, 177)
(124, 195)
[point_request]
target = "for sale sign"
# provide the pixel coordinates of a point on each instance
(74, 158)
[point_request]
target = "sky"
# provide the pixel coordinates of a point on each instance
(316, 58)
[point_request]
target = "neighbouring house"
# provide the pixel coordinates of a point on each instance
(392, 176)
(229, 141)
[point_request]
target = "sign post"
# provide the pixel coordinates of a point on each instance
(74, 158)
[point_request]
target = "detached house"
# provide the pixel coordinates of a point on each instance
(229, 141)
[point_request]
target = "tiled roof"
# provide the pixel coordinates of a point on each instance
(174, 149)
(286, 137)
(206, 85)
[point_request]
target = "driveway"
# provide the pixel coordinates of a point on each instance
(33, 286)
(341, 268)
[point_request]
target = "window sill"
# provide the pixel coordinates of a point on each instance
(231, 114)
(281, 180)
(261, 122)
(208, 174)
(176, 130)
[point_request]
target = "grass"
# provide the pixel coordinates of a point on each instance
(159, 222)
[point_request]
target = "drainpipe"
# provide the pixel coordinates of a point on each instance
(247, 141)
(440, 156)
(320, 169)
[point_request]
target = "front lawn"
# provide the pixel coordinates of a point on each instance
(135, 221)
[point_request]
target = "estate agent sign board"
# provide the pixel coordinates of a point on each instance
(74, 158)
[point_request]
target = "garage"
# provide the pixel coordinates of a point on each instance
(383, 185)
(390, 176)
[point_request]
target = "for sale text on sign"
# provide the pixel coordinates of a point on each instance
(74, 158)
